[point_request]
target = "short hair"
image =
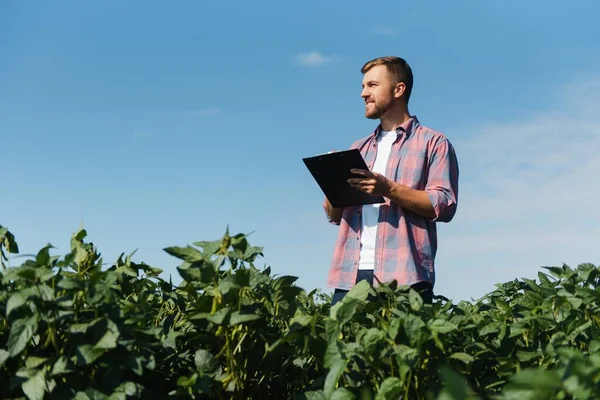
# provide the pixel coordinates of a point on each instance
(398, 69)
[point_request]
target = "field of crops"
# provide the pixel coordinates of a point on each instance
(72, 328)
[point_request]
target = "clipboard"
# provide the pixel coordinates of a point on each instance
(331, 172)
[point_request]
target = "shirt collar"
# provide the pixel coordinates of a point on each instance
(408, 127)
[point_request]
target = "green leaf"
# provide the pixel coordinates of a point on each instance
(372, 337)
(21, 333)
(188, 253)
(87, 354)
(301, 321)
(333, 376)
(416, 301)
(556, 271)
(43, 256)
(171, 339)
(544, 280)
(187, 381)
(442, 326)
(334, 346)
(209, 247)
(109, 338)
(149, 270)
(489, 328)
(535, 379)
(4, 355)
(360, 291)
(238, 318)
(413, 326)
(15, 301)
(455, 386)
(390, 389)
(313, 395)
(203, 360)
(127, 270)
(594, 346)
(464, 357)
(531, 283)
(406, 353)
(284, 281)
(7, 239)
(35, 386)
(70, 284)
(220, 316)
(200, 271)
(34, 362)
(61, 366)
(525, 356)
(346, 310)
(580, 329)
(502, 305)
(80, 328)
(342, 394)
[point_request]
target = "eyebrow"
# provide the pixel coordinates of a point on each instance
(369, 82)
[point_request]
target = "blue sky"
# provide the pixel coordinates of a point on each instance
(158, 124)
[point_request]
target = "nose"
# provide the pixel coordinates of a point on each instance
(364, 93)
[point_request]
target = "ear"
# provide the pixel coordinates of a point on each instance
(399, 89)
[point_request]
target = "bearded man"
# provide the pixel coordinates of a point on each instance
(416, 170)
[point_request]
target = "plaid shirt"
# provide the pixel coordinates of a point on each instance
(406, 243)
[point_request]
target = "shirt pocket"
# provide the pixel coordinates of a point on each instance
(412, 169)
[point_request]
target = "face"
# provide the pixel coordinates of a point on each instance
(379, 92)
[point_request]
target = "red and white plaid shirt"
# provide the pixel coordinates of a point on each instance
(406, 243)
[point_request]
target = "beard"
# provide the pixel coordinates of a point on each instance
(377, 109)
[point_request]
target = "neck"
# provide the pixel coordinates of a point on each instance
(394, 118)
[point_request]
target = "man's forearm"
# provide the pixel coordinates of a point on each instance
(416, 201)
(335, 214)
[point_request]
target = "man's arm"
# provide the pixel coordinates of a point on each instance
(333, 214)
(416, 201)
(442, 181)
(436, 202)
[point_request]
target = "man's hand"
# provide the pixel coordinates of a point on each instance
(416, 201)
(334, 214)
(371, 182)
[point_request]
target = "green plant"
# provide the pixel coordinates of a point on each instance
(231, 330)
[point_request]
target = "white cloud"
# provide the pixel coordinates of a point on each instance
(528, 197)
(316, 59)
(380, 30)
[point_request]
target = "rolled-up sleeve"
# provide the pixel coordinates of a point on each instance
(442, 181)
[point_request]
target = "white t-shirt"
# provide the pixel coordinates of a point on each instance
(370, 212)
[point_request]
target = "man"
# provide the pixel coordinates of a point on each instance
(416, 170)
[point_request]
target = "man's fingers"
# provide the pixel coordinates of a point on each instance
(364, 181)
(365, 185)
(362, 172)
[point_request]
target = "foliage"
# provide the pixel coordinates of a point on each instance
(71, 329)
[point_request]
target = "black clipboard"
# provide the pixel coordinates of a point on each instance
(332, 171)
